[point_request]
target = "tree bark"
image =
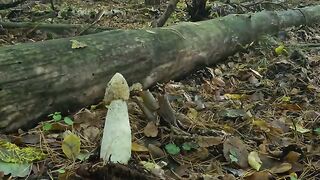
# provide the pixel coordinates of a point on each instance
(37, 79)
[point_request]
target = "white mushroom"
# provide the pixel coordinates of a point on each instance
(116, 140)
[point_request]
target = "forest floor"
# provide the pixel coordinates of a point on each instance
(255, 116)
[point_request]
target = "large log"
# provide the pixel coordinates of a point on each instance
(40, 78)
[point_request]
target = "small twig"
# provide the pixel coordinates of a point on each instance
(52, 5)
(165, 16)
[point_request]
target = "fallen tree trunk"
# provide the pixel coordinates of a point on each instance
(40, 78)
(59, 29)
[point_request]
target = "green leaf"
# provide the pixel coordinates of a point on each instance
(293, 176)
(280, 50)
(61, 171)
(286, 99)
(46, 126)
(15, 169)
(68, 121)
(254, 160)
(233, 156)
(317, 130)
(187, 146)
(301, 129)
(172, 149)
(57, 117)
(83, 156)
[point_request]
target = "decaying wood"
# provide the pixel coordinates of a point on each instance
(37, 79)
(58, 29)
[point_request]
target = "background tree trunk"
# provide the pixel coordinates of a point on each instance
(37, 79)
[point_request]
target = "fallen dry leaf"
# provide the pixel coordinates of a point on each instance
(287, 106)
(234, 147)
(91, 133)
(263, 125)
(207, 141)
(218, 81)
(292, 157)
(151, 130)
(231, 113)
(155, 151)
(84, 115)
(263, 175)
(253, 80)
(279, 125)
(282, 168)
(228, 177)
(71, 146)
(198, 155)
(183, 171)
(31, 138)
(57, 126)
(138, 148)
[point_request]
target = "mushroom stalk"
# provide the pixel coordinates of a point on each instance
(116, 141)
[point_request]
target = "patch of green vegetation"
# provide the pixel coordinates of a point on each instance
(56, 117)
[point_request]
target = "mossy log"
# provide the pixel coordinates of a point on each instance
(39, 78)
